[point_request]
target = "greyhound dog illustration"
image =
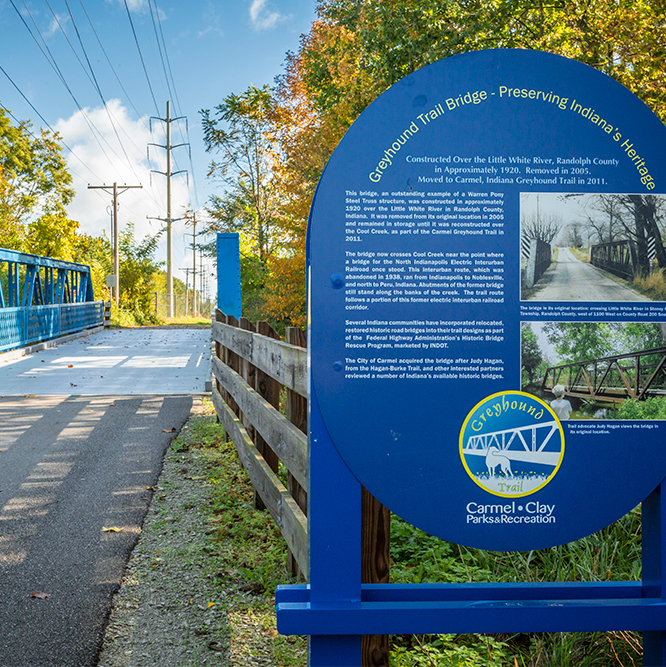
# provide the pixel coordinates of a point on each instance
(494, 459)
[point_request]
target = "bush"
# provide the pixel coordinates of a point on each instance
(651, 408)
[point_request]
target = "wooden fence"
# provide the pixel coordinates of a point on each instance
(253, 369)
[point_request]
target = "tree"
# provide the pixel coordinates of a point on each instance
(53, 234)
(137, 271)
(241, 132)
(530, 354)
(573, 237)
(97, 253)
(623, 38)
(33, 175)
(544, 227)
(584, 341)
(579, 341)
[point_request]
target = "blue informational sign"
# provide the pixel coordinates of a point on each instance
(228, 275)
(457, 215)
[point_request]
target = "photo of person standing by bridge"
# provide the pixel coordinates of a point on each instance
(603, 370)
(592, 247)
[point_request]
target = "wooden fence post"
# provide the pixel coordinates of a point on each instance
(249, 373)
(375, 569)
(270, 390)
(221, 354)
(297, 414)
(233, 362)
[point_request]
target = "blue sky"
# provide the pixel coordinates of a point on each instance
(58, 52)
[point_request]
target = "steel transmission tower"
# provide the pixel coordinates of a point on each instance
(169, 219)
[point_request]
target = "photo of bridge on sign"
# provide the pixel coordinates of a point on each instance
(637, 375)
(578, 357)
(590, 246)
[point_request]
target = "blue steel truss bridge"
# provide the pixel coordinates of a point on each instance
(523, 443)
(636, 375)
(43, 298)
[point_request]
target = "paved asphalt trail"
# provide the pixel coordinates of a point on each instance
(71, 465)
(569, 279)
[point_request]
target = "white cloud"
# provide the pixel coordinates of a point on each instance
(99, 159)
(56, 24)
(264, 18)
(140, 6)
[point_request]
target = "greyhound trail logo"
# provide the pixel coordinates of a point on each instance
(511, 444)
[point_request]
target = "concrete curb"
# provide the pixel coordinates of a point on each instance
(54, 342)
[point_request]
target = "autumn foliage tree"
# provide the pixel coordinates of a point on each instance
(354, 51)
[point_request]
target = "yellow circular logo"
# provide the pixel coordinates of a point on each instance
(512, 444)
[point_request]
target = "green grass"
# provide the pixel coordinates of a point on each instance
(611, 554)
(653, 286)
(246, 553)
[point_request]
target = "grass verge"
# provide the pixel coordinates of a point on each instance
(611, 554)
(246, 553)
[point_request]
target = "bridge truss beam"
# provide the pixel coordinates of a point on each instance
(43, 298)
(636, 375)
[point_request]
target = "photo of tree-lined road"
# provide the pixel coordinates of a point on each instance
(592, 247)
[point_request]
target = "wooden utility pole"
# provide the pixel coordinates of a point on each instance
(115, 191)
(168, 173)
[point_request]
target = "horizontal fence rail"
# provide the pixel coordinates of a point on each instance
(260, 393)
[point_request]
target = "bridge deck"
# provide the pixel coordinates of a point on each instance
(114, 361)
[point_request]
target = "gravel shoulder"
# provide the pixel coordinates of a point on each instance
(187, 597)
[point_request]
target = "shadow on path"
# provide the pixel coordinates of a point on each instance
(69, 467)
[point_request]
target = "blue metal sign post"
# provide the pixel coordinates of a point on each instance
(228, 274)
(418, 290)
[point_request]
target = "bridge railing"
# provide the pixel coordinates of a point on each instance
(25, 326)
(620, 258)
(43, 298)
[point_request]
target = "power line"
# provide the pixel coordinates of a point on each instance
(185, 137)
(108, 60)
(59, 138)
(51, 60)
(136, 41)
(166, 54)
(91, 77)
(159, 48)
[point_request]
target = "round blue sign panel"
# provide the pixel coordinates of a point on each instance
(428, 258)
